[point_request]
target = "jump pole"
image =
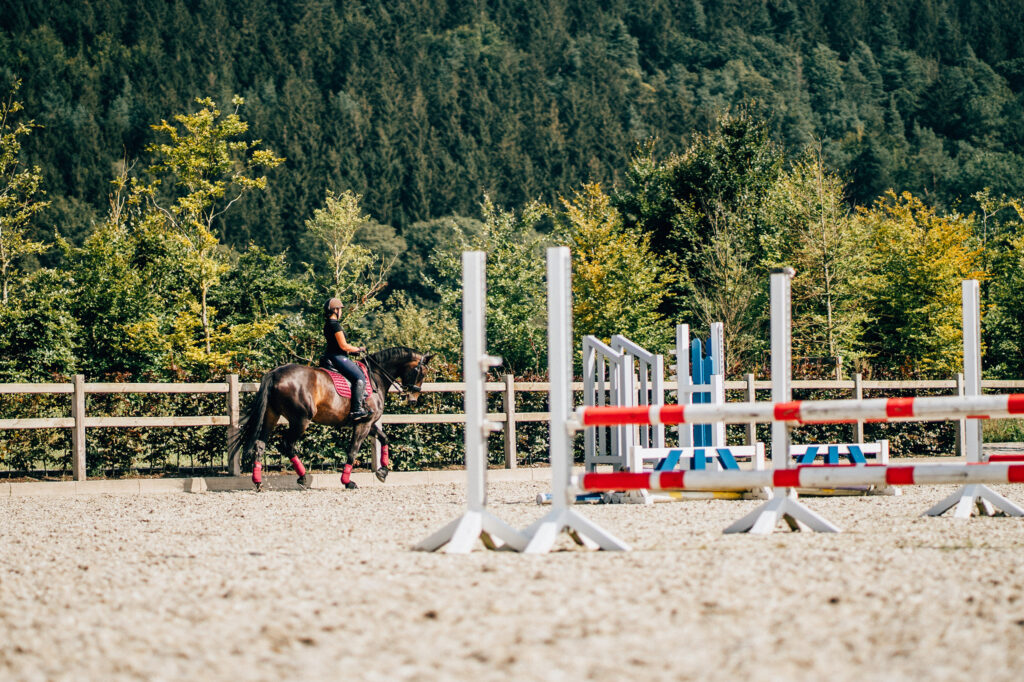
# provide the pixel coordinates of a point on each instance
(964, 501)
(808, 476)
(460, 535)
(543, 534)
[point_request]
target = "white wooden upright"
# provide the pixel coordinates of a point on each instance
(477, 523)
(784, 505)
(545, 531)
(973, 496)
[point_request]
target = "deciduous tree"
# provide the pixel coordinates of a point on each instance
(617, 287)
(20, 194)
(918, 259)
(207, 169)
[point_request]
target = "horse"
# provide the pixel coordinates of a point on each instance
(303, 394)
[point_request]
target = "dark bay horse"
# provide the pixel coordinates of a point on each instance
(303, 394)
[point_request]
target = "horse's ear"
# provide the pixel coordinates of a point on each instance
(426, 358)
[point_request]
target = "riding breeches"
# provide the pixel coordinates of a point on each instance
(348, 369)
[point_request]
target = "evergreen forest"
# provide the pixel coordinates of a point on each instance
(183, 183)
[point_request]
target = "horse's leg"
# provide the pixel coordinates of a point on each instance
(290, 447)
(269, 422)
(359, 434)
(385, 457)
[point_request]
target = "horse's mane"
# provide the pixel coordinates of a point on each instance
(396, 354)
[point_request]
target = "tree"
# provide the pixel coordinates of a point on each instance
(37, 334)
(137, 302)
(704, 210)
(516, 303)
(1004, 324)
(616, 282)
(917, 260)
(258, 288)
(209, 170)
(820, 241)
(19, 194)
(355, 273)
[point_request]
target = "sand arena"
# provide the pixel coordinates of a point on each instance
(322, 584)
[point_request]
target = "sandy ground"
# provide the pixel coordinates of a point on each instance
(322, 585)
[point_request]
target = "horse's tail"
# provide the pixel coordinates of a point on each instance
(251, 424)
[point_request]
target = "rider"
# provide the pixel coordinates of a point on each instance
(337, 353)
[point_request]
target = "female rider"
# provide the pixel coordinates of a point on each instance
(337, 353)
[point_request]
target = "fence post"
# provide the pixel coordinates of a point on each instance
(233, 417)
(78, 430)
(510, 422)
(751, 397)
(858, 393)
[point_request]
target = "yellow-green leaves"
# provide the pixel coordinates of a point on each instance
(19, 195)
(356, 274)
(918, 259)
(616, 279)
(200, 170)
(817, 237)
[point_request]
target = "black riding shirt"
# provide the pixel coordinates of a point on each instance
(331, 328)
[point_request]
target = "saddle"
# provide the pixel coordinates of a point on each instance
(341, 384)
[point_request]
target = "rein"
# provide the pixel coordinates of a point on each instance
(391, 379)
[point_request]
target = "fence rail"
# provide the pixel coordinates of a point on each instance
(232, 389)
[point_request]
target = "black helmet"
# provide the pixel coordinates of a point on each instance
(331, 305)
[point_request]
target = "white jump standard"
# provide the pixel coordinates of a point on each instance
(964, 501)
(545, 532)
(477, 523)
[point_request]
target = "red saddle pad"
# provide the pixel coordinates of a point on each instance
(341, 384)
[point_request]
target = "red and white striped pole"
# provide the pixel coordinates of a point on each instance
(927, 408)
(813, 476)
(783, 413)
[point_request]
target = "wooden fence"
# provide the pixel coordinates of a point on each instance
(232, 389)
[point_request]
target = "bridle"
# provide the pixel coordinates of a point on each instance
(395, 380)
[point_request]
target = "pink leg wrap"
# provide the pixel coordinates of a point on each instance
(385, 458)
(257, 473)
(297, 464)
(346, 475)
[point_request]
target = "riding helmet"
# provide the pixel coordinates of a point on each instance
(330, 305)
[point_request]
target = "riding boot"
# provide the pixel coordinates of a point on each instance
(357, 410)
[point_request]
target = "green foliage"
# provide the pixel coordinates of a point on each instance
(185, 272)
(355, 274)
(706, 212)
(422, 111)
(414, 271)
(516, 302)
(209, 171)
(404, 323)
(1004, 324)
(19, 195)
(616, 284)
(918, 259)
(37, 343)
(817, 237)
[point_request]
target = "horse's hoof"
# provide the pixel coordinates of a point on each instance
(351, 485)
(382, 473)
(303, 482)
